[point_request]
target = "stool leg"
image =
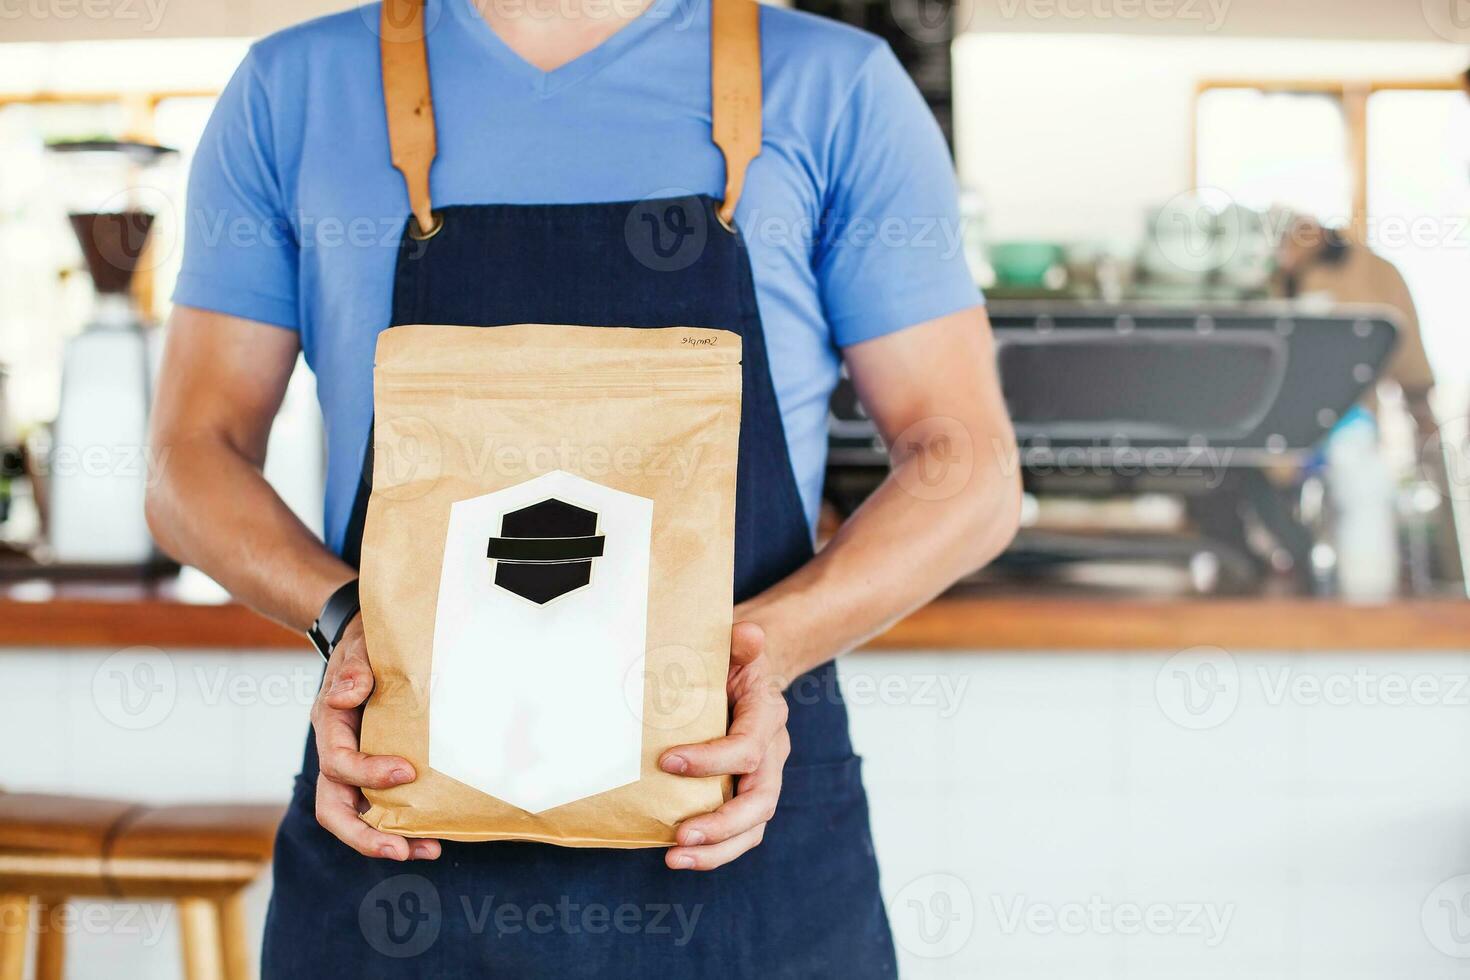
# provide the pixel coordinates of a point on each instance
(50, 941)
(234, 936)
(199, 929)
(15, 925)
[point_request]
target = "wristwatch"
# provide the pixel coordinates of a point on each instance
(332, 622)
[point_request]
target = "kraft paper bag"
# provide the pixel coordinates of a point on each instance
(547, 570)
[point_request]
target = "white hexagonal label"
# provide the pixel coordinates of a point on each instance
(543, 606)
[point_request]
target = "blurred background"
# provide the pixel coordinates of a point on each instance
(1210, 714)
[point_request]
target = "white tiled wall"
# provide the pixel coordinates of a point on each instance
(1302, 834)
(1037, 816)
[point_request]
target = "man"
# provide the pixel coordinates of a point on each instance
(839, 242)
(1315, 263)
(1328, 267)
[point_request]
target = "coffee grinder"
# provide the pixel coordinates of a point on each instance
(99, 464)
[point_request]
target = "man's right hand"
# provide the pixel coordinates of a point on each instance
(336, 718)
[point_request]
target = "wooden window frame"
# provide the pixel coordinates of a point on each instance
(1353, 96)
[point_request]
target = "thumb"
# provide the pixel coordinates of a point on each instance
(349, 678)
(747, 642)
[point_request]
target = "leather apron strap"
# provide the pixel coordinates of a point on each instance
(735, 93)
(410, 105)
(735, 99)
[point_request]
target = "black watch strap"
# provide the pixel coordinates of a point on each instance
(332, 622)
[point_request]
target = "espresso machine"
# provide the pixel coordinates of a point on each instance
(98, 465)
(1199, 406)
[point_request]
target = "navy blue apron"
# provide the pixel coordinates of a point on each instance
(805, 903)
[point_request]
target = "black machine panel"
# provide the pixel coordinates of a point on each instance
(1107, 383)
(1084, 384)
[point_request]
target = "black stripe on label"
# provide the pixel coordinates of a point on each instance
(539, 550)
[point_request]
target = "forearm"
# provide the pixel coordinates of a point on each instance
(896, 553)
(211, 507)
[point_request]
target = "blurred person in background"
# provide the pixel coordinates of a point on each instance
(1317, 264)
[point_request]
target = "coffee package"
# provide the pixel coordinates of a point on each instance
(546, 577)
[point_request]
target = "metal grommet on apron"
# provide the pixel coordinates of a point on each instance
(416, 231)
(806, 901)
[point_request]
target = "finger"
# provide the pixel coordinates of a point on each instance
(713, 855)
(425, 850)
(342, 762)
(747, 641)
(758, 716)
(349, 677)
(336, 810)
(754, 803)
(741, 813)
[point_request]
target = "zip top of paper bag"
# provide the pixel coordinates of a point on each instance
(556, 349)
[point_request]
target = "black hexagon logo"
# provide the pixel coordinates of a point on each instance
(545, 550)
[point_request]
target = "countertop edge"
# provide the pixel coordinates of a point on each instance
(951, 623)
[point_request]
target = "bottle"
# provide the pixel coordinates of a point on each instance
(1364, 495)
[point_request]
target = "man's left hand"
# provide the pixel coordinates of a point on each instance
(754, 751)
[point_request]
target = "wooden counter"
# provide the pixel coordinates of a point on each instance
(74, 616)
(1083, 624)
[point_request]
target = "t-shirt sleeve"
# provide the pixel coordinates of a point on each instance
(240, 248)
(891, 252)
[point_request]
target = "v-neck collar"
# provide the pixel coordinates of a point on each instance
(548, 83)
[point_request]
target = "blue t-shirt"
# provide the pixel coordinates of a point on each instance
(849, 212)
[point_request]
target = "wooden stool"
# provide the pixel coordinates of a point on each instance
(56, 848)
